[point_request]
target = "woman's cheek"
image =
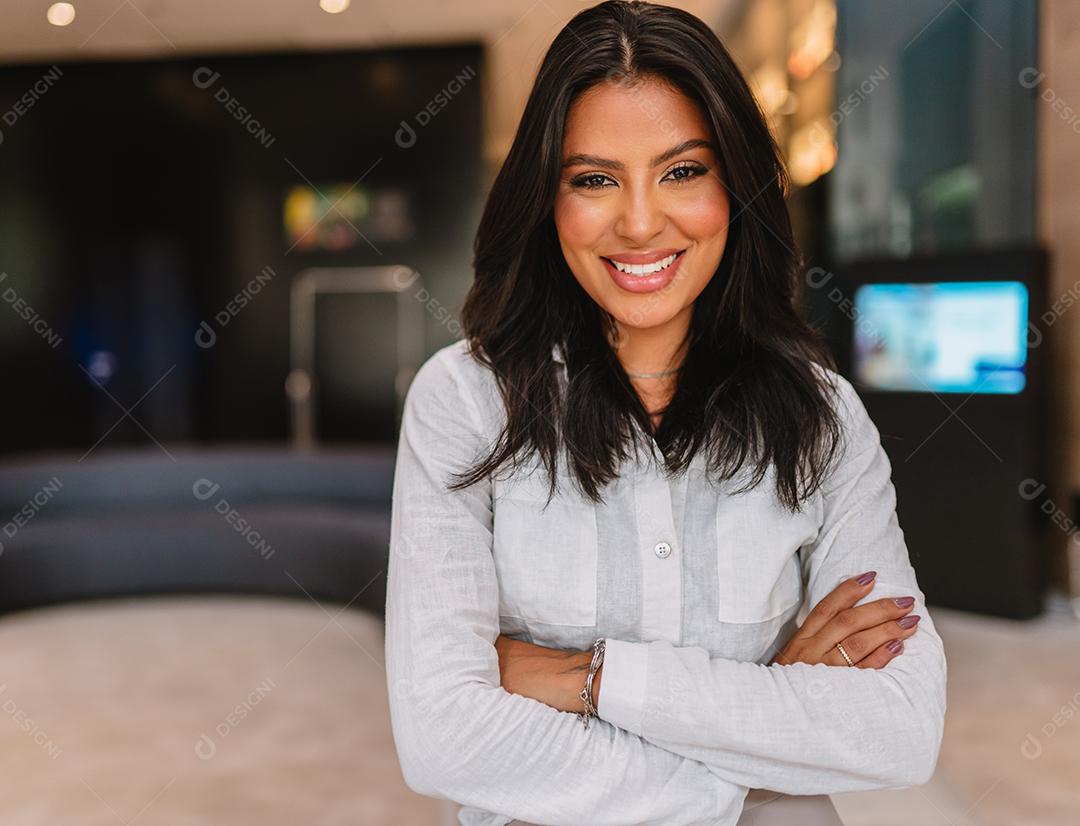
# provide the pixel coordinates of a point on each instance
(706, 214)
(582, 223)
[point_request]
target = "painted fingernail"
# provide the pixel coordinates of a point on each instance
(904, 602)
(864, 579)
(894, 646)
(908, 621)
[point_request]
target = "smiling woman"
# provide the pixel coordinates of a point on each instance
(705, 599)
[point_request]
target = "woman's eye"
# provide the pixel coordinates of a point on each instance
(691, 170)
(589, 181)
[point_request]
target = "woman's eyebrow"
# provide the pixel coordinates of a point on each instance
(605, 163)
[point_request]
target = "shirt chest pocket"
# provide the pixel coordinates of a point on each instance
(545, 557)
(758, 565)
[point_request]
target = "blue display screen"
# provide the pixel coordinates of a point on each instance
(943, 337)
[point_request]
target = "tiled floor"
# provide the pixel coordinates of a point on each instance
(1011, 754)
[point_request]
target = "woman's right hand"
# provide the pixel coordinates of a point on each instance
(866, 631)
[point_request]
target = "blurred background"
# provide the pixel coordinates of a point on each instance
(231, 232)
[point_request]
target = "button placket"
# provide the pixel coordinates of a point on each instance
(661, 564)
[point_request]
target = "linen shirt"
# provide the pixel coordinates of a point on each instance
(693, 588)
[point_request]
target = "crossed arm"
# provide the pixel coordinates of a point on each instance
(688, 733)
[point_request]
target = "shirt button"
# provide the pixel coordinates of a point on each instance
(662, 550)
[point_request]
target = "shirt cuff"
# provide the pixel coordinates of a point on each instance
(622, 684)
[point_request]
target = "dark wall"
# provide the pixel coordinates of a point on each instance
(134, 205)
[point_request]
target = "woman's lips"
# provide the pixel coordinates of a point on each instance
(644, 283)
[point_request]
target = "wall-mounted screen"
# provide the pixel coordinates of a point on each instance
(942, 337)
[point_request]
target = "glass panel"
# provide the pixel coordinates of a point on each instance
(935, 122)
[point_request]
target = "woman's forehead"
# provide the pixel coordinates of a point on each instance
(635, 122)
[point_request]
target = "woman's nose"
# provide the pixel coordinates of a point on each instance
(641, 217)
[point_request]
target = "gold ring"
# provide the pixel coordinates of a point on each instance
(844, 654)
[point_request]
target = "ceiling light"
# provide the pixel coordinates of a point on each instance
(333, 6)
(60, 14)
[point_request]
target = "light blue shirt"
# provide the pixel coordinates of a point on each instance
(693, 588)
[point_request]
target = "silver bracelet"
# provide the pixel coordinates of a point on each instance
(586, 692)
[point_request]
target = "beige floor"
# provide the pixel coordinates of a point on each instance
(291, 700)
(262, 711)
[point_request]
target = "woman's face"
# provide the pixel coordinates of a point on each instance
(635, 191)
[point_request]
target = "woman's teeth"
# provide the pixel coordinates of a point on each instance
(645, 269)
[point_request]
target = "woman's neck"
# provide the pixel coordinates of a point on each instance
(652, 357)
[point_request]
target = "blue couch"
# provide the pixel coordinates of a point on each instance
(254, 520)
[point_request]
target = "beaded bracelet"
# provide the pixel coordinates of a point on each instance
(586, 692)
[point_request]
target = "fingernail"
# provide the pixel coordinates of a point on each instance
(904, 602)
(894, 646)
(864, 579)
(908, 621)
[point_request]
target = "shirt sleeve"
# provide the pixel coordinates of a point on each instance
(801, 728)
(459, 735)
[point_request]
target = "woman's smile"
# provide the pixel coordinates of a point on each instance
(643, 277)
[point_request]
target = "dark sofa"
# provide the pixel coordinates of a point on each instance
(254, 520)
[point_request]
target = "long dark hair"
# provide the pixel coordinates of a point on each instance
(748, 390)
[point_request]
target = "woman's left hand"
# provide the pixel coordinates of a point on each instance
(553, 676)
